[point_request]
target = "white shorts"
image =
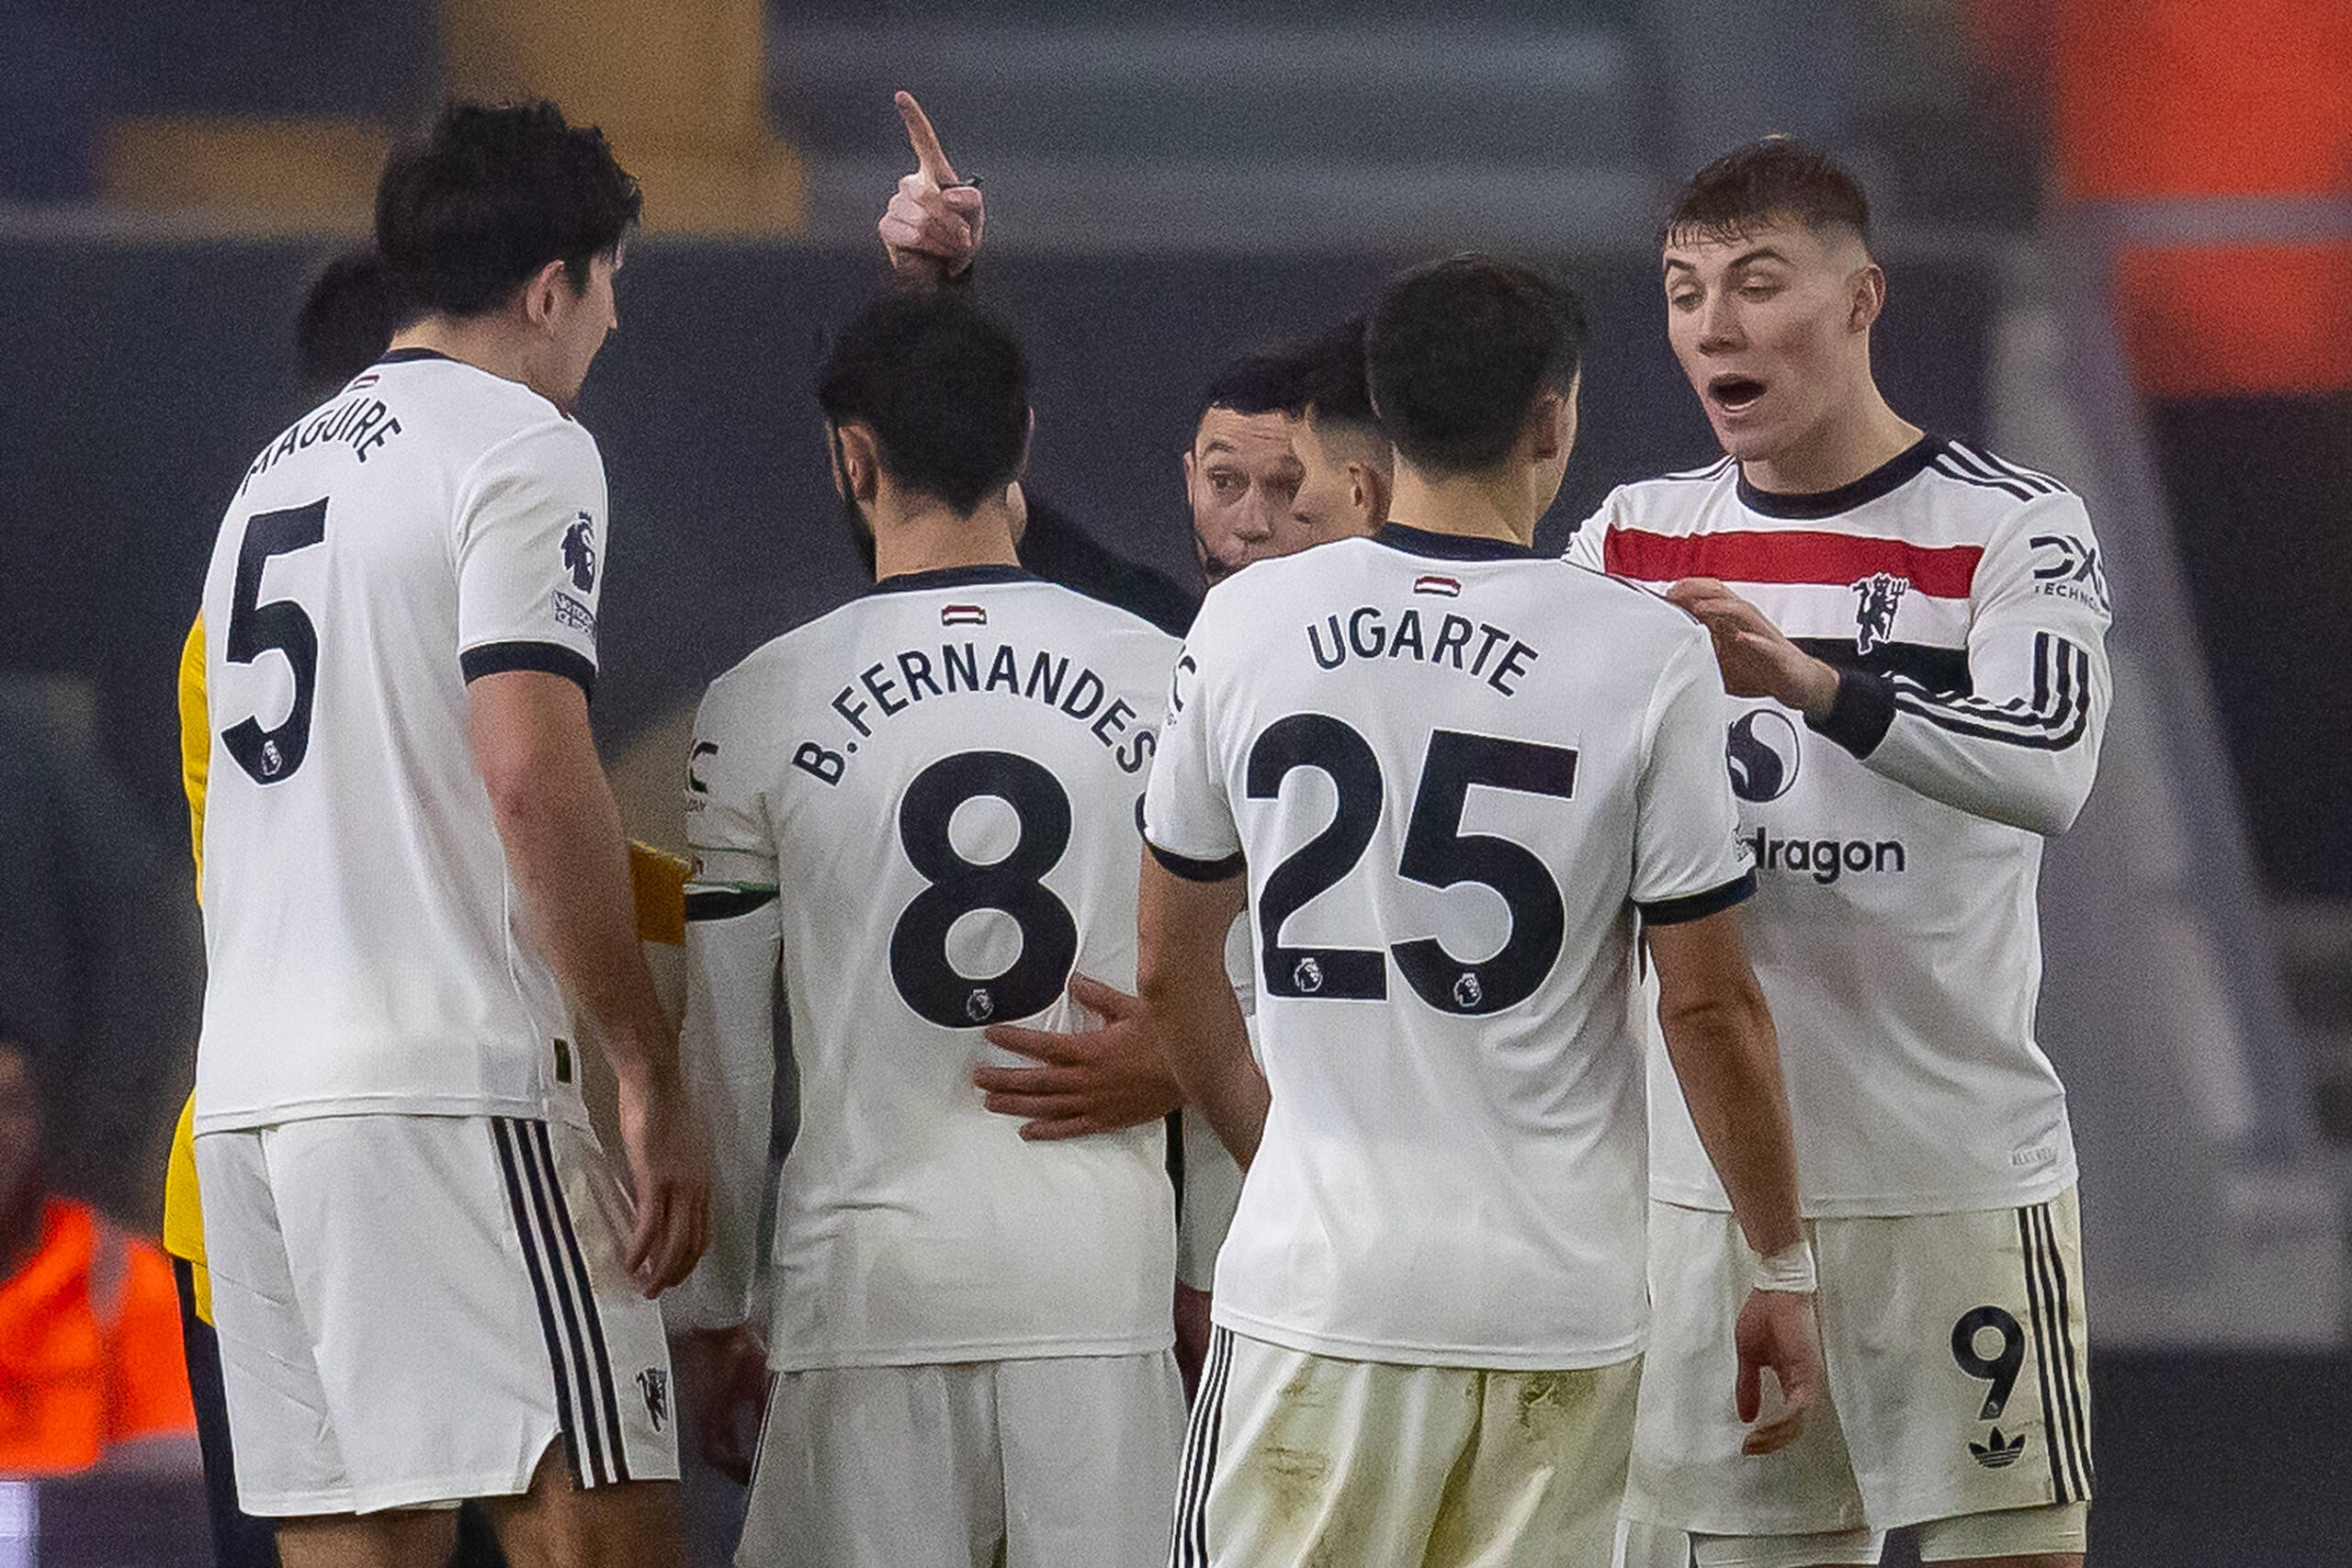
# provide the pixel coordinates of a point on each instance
(1958, 1367)
(1053, 1462)
(411, 1308)
(1295, 1460)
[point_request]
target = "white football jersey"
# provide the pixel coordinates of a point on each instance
(928, 799)
(1454, 772)
(1898, 846)
(429, 524)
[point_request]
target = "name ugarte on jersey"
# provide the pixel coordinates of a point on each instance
(889, 687)
(361, 422)
(1369, 633)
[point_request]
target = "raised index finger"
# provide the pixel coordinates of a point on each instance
(931, 159)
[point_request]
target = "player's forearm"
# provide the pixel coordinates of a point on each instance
(562, 836)
(1727, 1057)
(1181, 926)
(726, 1052)
(2027, 759)
(1208, 1048)
(2040, 791)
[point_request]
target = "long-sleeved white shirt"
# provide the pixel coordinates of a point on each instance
(1898, 844)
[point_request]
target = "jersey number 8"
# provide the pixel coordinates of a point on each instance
(919, 964)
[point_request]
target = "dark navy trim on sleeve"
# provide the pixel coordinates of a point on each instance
(952, 577)
(1450, 546)
(726, 903)
(1859, 715)
(548, 657)
(1699, 906)
(1193, 870)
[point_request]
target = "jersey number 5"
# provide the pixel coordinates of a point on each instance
(919, 965)
(1437, 853)
(272, 756)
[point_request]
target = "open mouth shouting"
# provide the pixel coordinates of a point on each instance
(1730, 396)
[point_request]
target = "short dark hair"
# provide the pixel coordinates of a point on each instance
(942, 385)
(467, 214)
(1332, 385)
(346, 321)
(1255, 384)
(1457, 351)
(1777, 178)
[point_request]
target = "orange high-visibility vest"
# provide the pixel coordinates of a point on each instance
(89, 1347)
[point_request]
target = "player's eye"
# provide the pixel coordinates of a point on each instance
(1683, 298)
(1226, 483)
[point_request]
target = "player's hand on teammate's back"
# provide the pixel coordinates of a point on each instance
(1097, 1080)
(931, 227)
(725, 1371)
(1757, 659)
(669, 1167)
(1776, 1329)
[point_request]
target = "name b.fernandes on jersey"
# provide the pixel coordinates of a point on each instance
(887, 688)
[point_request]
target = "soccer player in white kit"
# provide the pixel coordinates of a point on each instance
(920, 813)
(1915, 628)
(1448, 778)
(427, 1283)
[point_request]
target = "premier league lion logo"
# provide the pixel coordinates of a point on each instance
(580, 552)
(1880, 592)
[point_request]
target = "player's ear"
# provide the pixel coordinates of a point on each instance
(1551, 424)
(1867, 298)
(857, 462)
(1376, 485)
(540, 301)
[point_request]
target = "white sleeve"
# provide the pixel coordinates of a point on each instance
(2022, 745)
(1587, 546)
(1187, 816)
(529, 547)
(1688, 861)
(733, 935)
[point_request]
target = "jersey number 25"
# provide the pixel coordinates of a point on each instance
(1437, 853)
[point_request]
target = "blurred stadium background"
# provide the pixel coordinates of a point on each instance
(2120, 239)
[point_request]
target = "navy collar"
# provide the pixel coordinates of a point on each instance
(1448, 547)
(408, 356)
(1884, 479)
(951, 577)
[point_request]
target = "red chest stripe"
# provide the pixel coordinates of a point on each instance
(1790, 556)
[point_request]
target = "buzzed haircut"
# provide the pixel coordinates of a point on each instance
(942, 385)
(1777, 180)
(346, 321)
(1255, 384)
(1331, 379)
(1457, 351)
(473, 209)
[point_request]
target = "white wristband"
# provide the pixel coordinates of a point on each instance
(1789, 1270)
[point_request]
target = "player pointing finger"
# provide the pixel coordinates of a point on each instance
(931, 227)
